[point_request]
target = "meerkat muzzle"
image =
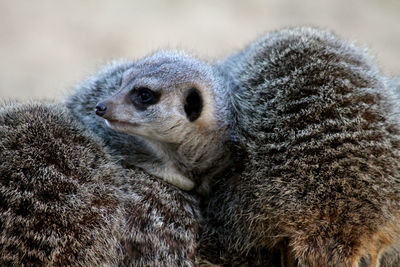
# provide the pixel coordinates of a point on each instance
(101, 109)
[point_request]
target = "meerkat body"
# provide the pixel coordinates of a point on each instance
(64, 201)
(320, 131)
(187, 140)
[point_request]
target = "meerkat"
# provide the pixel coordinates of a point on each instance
(65, 201)
(157, 108)
(314, 128)
(319, 128)
(176, 122)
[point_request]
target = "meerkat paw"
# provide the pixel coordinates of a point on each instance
(172, 176)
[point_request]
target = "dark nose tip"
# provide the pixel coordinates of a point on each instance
(101, 109)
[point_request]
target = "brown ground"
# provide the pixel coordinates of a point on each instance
(48, 46)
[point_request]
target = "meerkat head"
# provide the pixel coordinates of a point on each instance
(171, 100)
(162, 97)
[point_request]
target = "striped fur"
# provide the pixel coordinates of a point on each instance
(319, 126)
(64, 201)
(316, 133)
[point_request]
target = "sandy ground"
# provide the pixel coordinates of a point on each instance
(48, 46)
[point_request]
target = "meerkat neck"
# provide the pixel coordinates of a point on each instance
(192, 160)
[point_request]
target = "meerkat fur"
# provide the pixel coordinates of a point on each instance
(316, 135)
(317, 122)
(65, 201)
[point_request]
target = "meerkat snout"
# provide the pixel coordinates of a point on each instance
(101, 109)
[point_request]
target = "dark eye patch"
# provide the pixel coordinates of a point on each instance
(193, 104)
(143, 97)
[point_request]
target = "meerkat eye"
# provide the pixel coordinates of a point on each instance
(193, 104)
(145, 95)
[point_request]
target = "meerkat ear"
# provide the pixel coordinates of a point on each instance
(193, 104)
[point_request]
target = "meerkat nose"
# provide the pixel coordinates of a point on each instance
(101, 109)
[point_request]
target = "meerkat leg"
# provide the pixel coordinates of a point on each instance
(170, 174)
(287, 257)
(356, 264)
(375, 258)
(357, 261)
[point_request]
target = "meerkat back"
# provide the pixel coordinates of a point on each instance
(317, 125)
(64, 201)
(58, 206)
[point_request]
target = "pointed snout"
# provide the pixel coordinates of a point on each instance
(101, 109)
(109, 108)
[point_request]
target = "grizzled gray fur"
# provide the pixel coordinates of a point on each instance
(64, 201)
(125, 146)
(319, 126)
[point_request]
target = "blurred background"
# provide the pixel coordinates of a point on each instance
(47, 46)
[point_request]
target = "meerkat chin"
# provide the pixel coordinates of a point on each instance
(121, 126)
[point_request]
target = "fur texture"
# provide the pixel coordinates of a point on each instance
(316, 133)
(63, 200)
(391, 257)
(125, 146)
(320, 130)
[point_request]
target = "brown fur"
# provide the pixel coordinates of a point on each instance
(64, 200)
(318, 124)
(314, 123)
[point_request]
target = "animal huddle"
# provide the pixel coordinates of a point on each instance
(284, 154)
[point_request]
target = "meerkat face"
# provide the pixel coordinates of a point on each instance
(162, 97)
